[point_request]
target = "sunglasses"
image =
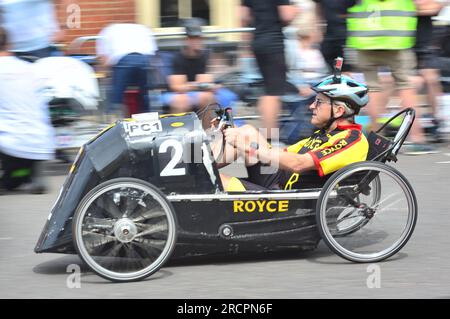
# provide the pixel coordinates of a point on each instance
(317, 102)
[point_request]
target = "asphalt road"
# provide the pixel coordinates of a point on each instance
(420, 270)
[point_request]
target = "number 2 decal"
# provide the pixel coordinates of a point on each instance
(170, 169)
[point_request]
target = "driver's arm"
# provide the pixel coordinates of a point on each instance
(342, 149)
(292, 162)
(245, 138)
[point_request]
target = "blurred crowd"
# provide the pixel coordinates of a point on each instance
(389, 45)
(394, 46)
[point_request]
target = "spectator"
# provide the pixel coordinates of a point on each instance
(303, 59)
(381, 42)
(32, 26)
(269, 17)
(427, 64)
(333, 14)
(306, 18)
(191, 86)
(26, 134)
(126, 50)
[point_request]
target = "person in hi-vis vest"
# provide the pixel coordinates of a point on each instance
(383, 33)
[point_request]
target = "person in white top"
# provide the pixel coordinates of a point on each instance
(126, 50)
(303, 58)
(32, 26)
(26, 133)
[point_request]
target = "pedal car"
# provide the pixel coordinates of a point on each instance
(148, 189)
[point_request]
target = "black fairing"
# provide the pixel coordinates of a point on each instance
(114, 153)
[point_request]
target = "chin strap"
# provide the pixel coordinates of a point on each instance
(333, 119)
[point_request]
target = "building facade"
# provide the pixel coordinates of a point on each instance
(87, 17)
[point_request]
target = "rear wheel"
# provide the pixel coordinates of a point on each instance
(366, 212)
(125, 229)
(345, 225)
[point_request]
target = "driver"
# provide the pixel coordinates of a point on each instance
(306, 164)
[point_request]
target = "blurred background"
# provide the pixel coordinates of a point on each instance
(70, 68)
(87, 83)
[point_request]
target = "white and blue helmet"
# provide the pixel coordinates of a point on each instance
(346, 90)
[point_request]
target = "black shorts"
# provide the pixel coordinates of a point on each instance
(257, 180)
(273, 70)
(426, 58)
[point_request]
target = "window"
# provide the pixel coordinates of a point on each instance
(173, 10)
(169, 13)
(200, 9)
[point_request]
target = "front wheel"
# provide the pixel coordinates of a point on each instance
(366, 212)
(125, 229)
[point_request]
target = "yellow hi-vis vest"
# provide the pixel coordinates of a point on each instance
(382, 25)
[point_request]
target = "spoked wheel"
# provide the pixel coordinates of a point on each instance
(347, 218)
(366, 212)
(125, 229)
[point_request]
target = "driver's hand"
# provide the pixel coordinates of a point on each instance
(214, 122)
(235, 138)
(217, 125)
(231, 136)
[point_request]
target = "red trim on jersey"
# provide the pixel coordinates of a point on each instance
(315, 157)
(342, 149)
(352, 126)
(316, 163)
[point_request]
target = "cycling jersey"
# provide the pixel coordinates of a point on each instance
(330, 151)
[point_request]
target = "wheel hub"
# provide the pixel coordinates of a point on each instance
(125, 230)
(367, 211)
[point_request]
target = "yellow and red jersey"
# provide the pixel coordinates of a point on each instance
(330, 151)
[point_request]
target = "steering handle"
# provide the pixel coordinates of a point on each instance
(229, 116)
(403, 131)
(225, 118)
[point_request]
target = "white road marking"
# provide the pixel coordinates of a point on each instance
(6, 238)
(448, 162)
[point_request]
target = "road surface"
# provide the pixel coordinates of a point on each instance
(420, 270)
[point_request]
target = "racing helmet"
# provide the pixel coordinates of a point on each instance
(347, 90)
